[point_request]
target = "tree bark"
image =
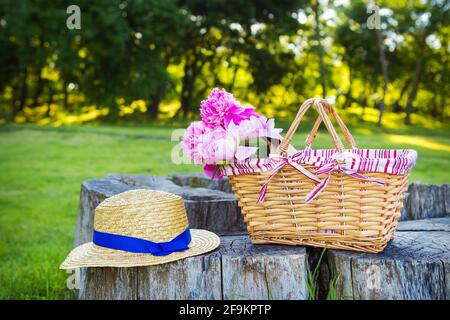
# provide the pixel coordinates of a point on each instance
(445, 88)
(39, 87)
(14, 89)
(236, 270)
(23, 92)
(384, 69)
(434, 103)
(191, 70)
(186, 90)
(424, 201)
(348, 95)
(233, 81)
(364, 102)
(50, 100)
(65, 95)
(397, 106)
(235, 68)
(155, 100)
(414, 266)
(443, 103)
(415, 86)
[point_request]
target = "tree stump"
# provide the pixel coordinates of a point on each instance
(196, 180)
(424, 201)
(207, 206)
(237, 270)
(415, 265)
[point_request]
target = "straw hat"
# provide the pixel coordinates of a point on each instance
(140, 228)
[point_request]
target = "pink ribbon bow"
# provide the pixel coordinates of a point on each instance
(334, 165)
(282, 162)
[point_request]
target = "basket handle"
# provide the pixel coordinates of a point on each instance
(347, 135)
(321, 106)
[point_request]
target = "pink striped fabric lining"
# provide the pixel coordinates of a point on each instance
(365, 160)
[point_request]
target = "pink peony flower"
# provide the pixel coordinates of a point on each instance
(209, 171)
(221, 108)
(208, 146)
(244, 152)
(191, 139)
(268, 129)
(225, 124)
(246, 129)
(217, 146)
(255, 127)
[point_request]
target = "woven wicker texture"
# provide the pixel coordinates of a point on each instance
(349, 214)
(147, 214)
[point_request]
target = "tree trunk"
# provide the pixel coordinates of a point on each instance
(445, 87)
(191, 70)
(50, 100)
(364, 102)
(39, 87)
(348, 95)
(23, 93)
(233, 81)
(414, 266)
(434, 104)
(384, 69)
(443, 103)
(416, 81)
(155, 100)
(397, 106)
(65, 95)
(235, 69)
(315, 6)
(186, 89)
(14, 90)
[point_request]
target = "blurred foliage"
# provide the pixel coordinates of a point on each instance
(149, 59)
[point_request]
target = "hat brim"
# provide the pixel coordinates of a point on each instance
(91, 255)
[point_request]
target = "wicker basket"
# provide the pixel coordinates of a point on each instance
(352, 211)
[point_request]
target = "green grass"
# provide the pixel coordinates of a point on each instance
(40, 178)
(42, 169)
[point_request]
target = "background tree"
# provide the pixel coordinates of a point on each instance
(270, 53)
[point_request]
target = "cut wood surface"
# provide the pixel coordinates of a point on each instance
(210, 205)
(435, 224)
(237, 270)
(200, 180)
(415, 265)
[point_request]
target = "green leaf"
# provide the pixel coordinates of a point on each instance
(216, 169)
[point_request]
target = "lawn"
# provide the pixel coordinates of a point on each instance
(42, 169)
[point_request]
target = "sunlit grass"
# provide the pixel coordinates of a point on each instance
(355, 116)
(39, 190)
(422, 142)
(55, 116)
(390, 120)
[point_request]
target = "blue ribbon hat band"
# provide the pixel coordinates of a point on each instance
(137, 245)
